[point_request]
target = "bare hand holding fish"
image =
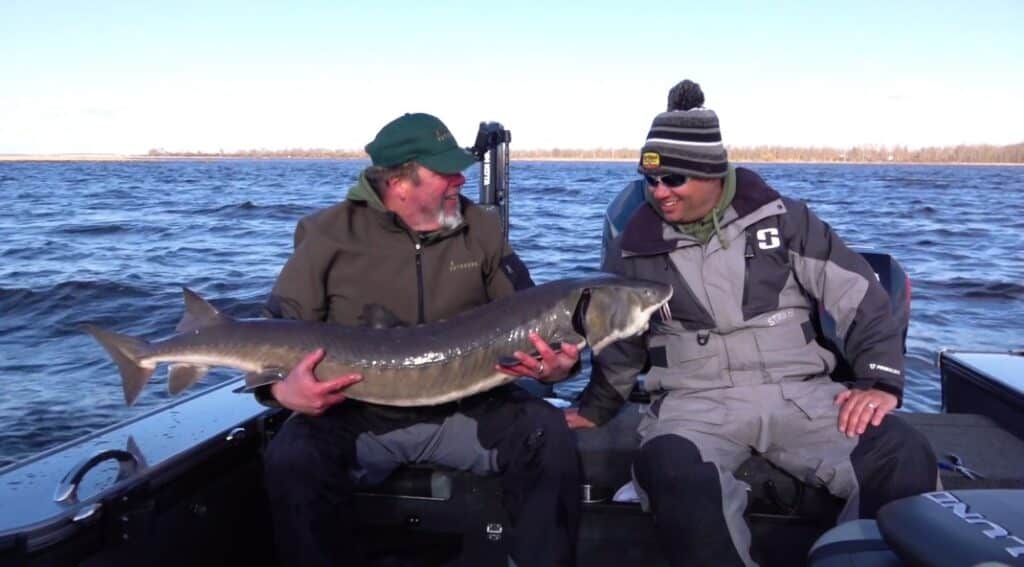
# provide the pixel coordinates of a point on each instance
(548, 365)
(301, 391)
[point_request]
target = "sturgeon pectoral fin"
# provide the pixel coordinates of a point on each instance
(508, 360)
(182, 376)
(573, 339)
(254, 380)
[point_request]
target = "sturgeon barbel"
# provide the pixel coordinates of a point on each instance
(401, 366)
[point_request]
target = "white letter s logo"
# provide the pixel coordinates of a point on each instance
(768, 238)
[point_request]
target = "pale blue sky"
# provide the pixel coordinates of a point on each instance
(124, 77)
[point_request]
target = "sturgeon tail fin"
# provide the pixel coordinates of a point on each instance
(126, 352)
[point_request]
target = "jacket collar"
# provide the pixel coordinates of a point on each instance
(647, 234)
(364, 192)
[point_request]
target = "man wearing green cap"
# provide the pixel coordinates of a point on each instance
(405, 239)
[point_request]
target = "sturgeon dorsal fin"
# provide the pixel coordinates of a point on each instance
(199, 313)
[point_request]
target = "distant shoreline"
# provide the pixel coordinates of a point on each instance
(213, 157)
(93, 157)
(787, 162)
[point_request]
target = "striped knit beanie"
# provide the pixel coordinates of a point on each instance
(686, 139)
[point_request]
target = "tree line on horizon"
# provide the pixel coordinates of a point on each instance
(293, 153)
(881, 154)
(873, 154)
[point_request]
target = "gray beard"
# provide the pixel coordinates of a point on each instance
(449, 221)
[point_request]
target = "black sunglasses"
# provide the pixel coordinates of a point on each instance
(671, 180)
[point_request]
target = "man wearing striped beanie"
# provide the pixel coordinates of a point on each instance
(686, 166)
(686, 139)
(736, 368)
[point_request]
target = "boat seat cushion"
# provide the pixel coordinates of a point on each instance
(960, 527)
(852, 544)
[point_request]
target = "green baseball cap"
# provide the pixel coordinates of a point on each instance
(420, 137)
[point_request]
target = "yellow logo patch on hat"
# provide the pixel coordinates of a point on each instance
(650, 160)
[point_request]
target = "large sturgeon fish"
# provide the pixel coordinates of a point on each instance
(401, 366)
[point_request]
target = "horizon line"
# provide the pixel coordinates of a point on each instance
(360, 153)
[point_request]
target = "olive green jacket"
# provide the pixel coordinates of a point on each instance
(356, 254)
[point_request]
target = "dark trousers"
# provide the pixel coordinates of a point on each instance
(308, 468)
(890, 462)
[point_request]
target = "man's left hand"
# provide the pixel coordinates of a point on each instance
(861, 407)
(548, 366)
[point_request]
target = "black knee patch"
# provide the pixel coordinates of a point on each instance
(548, 433)
(681, 488)
(666, 455)
(310, 448)
(892, 461)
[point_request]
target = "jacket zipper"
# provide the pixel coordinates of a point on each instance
(748, 255)
(419, 283)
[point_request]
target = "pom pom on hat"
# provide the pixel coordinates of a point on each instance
(686, 139)
(685, 96)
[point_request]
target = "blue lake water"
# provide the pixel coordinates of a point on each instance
(112, 244)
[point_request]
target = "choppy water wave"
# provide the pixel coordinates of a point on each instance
(113, 243)
(987, 289)
(66, 296)
(101, 229)
(286, 210)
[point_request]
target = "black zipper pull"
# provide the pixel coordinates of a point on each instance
(703, 337)
(420, 305)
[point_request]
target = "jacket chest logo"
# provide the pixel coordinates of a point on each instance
(454, 266)
(779, 317)
(768, 238)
